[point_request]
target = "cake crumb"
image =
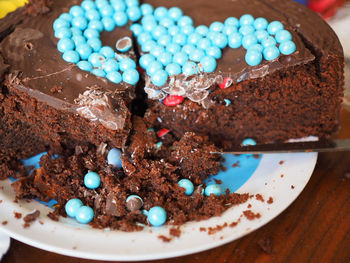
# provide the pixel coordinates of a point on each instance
(259, 197)
(56, 89)
(233, 224)
(0, 201)
(249, 206)
(175, 231)
(265, 245)
(292, 186)
(282, 175)
(213, 230)
(29, 218)
(281, 162)
(41, 222)
(218, 181)
(202, 229)
(4, 223)
(270, 200)
(236, 164)
(250, 215)
(164, 238)
(17, 215)
(256, 156)
(53, 216)
(74, 248)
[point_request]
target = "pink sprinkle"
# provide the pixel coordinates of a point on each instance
(162, 132)
(173, 100)
(223, 85)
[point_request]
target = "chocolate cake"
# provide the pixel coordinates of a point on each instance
(166, 127)
(293, 96)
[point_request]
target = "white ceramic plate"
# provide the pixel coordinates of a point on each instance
(70, 238)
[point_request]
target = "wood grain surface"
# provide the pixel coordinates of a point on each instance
(315, 228)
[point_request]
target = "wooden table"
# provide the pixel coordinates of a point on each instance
(315, 228)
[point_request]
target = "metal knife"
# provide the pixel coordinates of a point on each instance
(292, 147)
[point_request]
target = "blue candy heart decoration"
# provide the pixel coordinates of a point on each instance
(169, 42)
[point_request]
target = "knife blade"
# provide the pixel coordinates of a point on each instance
(292, 147)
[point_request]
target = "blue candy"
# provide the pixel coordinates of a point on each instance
(114, 77)
(189, 68)
(194, 38)
(149, 26)
(173, 30)
(202, 30)
(156, 216)
(131, 76)
(118, 5)
(173, 69)
(261, 34)
(158, 31)
(90, 33)
(187, 29)
(84, 65)
(212, 189)
(108, 23)
(253, 57)
(204, 43)
(220, 40)
(148, 46)
(84, 215)
(134, 13)
(107, 52)
(248, 141)
(65, 44)
(72, 207)
(95, 43)
(106, 10)
(79, 22)
(110, 65)
(227, 102)
(185, 20)
(66, 16)
(157, 50)
(188, 49)
(180, 39)
(76, 11)
(79, 40)
(101, 3)
(145, 60)
(208, 64)
(60, 23)
(143, 37)
(235, 40)
(136, 29)
(126, 64)
(132, 3)
(228, 30)
(246, 19)
(63, 32)
(120, 18)
(92, 180)
(287, 47)
(113, 158)
(187, 185)
(257, 47)
(76, 31)
(164, 40)
(98, 72)
(165, 58)
(96, 59)
(87, 5)
(180, 57)
(232, 21)
(175, 13)
(271, 52)
(214, 52)
(92, 14)
(159, 78)
(283, 35)
(260, 23)
(197, 55)
(71, 56)
(160, 12)
(216, 26)
(84, 51)
(249, 40)
(153, 67)
(166, 22)
(274, 27)
(246, 30)
(268, 41)
(146, 9)
(96, 24)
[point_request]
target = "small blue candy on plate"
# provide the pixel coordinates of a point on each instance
(131, 76)
(84, 214)
(156, 216)
(213, 189)
(187, 185)
(72, 207)
(248, 141)
(113, 158)
(92, 180)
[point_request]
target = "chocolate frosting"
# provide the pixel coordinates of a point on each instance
(37, 66)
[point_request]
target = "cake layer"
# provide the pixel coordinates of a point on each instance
(291, 96)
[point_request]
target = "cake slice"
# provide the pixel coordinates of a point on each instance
(291, 96)
(48, 103)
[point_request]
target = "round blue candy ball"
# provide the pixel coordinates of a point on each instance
(108, 23)
(96, 59)
(79, 40)
(160, 12)
(253, 57)
(187, 185)
(84, 51)
(76, 11)
(79, 22)
(220, 40)
(274, 27)
(257, 47)
(180, 57)
(131, 76)
(180, 39)
(146, 9)
(185, 20)
(92, 180)
(246, 30)
(110, 65)
(202, 30)
(60, 23)
(118, 5)
(235, 40)
(248, 141)
(268, 41)
(188, 49)
(194, 38)
(72, 207)
(134, 13)
(95, 43)
(228, 30)
(153, 67)
(203, 43)
(143, 37)
(166, 22)
(260, 23)
(261, 34)
(159, 78)
(76, 31)
(214, 52)
(96, 24)
(84, 214)
(175, 13)
(120, 18)
(136, 29)
(84, 65)
(189, 68)
(173, 69)
(271, 52)
(126, 64)
(158, 31)
(173, 30)
(107, 52)
(65, 44)
(156, 216)
(71, 56)
(87, 5)
(164, 40)
(145, 60)
(63, 32)
(246, 19)
(197, 55)
(98, 72)
(249, 40)
(216, 26)
(232, 21)
(132, 3)
(113, 158)
(165, 58)
(287, 47)
(92, 14)
(106, 10)
(157, 50)
(212, 189)
(114, 76)
(283, 35)
(187, 29)
(208, 64)
(66, 16)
